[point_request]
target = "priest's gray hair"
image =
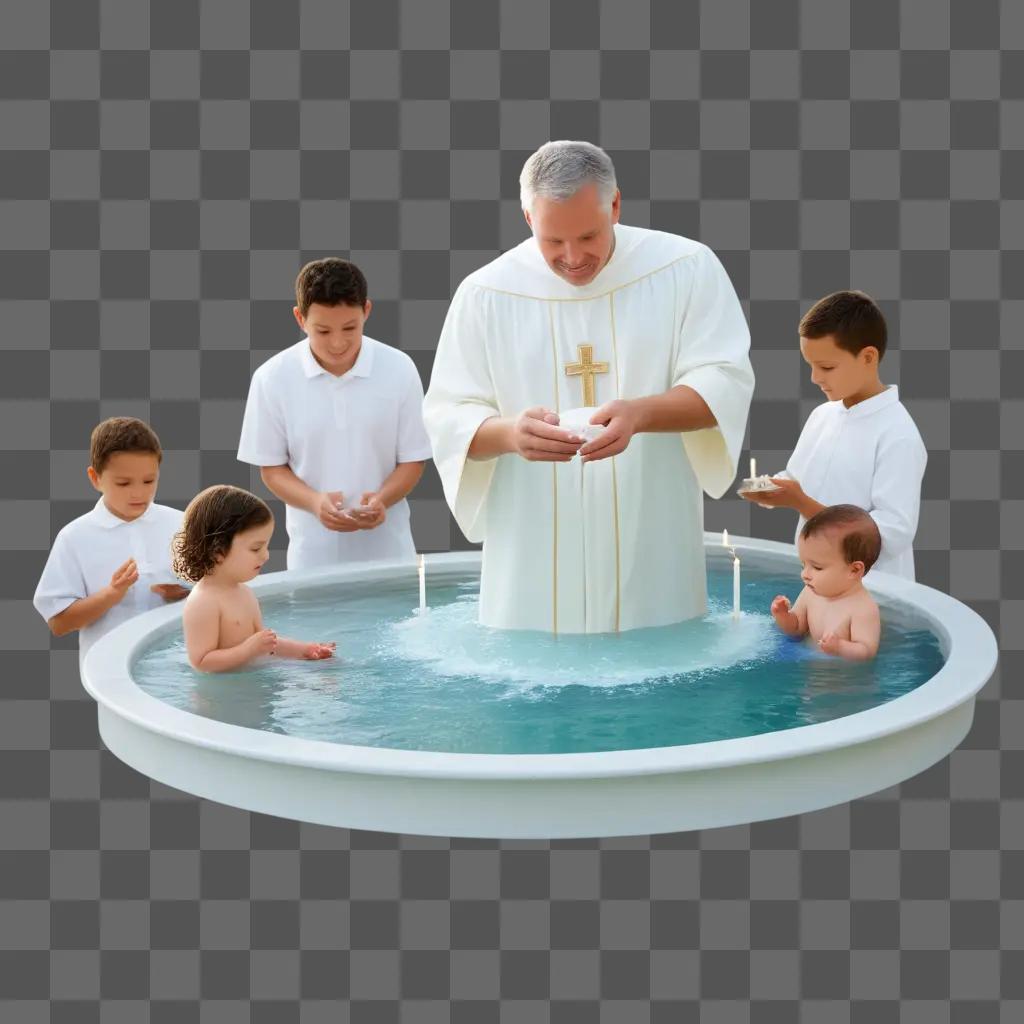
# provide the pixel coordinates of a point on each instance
(558, 170)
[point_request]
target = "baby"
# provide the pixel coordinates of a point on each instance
(223, 544)
(837, 546)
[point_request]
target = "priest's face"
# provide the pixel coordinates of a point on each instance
(335, 333)
(575, 235)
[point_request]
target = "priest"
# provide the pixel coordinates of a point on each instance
(642, 327)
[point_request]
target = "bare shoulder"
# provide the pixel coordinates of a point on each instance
(867, 606)
(201, 601)
(249, 604)
(809, 599)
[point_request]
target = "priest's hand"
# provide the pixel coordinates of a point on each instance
(620, 423)
(537, 437)
(326, 506)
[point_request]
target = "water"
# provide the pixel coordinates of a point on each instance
(442, 682)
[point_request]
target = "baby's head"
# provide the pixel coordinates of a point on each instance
(124, 465)
(843, 338)
(837, 547)
(226, 534)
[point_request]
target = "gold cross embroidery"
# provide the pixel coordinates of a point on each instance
(587, 369)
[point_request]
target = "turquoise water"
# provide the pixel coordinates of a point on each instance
(442, 682)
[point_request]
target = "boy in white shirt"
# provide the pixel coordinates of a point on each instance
(861, 447)
(115, 561)
(335, 423)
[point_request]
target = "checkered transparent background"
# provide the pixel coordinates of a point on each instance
(165, 168)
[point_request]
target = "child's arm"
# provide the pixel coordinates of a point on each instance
(87, 610)
(303, 650)
(789, 495)
(865, 631)
(282, 482)
(286, 647)
(201, 622)
(792, 621)
(402, 479)
(896, 491)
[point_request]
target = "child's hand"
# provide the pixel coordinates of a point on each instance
(780, 606)
(375, 514)
(829, 642)
(170, 591)
(318, 651)
(123, 578)
(328, 509)
(789, 495)
(262, 642)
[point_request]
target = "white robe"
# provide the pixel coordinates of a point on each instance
(617, 543)
(869, 455)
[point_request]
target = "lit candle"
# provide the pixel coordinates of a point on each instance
(753, 468)
(735, 574)
(423, 584)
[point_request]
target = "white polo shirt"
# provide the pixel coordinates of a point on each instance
(870, 455)
(87, 552)
(344, 433)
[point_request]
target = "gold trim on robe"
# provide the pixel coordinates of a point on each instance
(615, 480)
(590, 298)
(554, 489)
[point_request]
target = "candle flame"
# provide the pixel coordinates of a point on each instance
(725, 538)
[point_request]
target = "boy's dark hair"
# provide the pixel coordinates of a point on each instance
(331, 282)
(121, 434)
(212, 519)
(852, 318)
(861, 541)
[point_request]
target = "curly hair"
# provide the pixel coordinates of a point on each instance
(860, 540)
(121, 434)
(330, 282)
(212, 519)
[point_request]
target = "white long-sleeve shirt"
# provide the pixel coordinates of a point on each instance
(870, 455)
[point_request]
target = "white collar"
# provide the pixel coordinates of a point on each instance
(638, 253)
(360, 368)
(873, 404)
(102, 515)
